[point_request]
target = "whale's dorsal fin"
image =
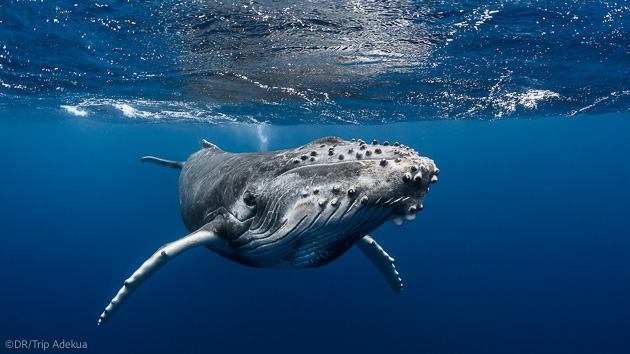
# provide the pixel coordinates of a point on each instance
(162, 162)
(205, 144)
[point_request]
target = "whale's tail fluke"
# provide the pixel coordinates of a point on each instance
(168, 163)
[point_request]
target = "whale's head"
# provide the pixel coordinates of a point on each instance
(328, 195)
(380, 181)
(395, 185)
(343, 189)
(390, 181)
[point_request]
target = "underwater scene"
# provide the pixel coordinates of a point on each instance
(521, 107)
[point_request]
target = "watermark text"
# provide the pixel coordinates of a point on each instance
(38, 344)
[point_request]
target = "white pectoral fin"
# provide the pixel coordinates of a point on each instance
(203, 236)
(383, 262)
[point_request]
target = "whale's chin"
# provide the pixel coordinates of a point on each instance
(398, 220)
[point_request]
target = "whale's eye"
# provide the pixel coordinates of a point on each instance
(249, 198)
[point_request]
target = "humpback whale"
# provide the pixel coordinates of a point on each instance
(296, 208)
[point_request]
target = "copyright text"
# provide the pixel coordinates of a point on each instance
(38, 344)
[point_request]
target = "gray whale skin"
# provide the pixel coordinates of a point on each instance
(294, 208)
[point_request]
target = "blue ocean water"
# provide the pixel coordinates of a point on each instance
(522, 246)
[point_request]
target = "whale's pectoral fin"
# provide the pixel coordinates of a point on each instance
(204, 236)
(383, 262)
(178, 165)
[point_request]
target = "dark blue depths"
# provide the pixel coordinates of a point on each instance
(522, 246)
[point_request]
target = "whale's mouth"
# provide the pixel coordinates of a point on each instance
(399, 216)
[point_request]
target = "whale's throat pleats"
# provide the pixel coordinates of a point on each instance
(296, 227)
